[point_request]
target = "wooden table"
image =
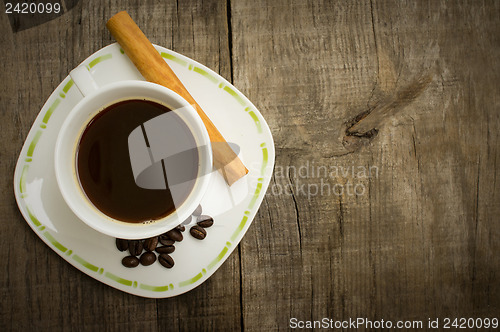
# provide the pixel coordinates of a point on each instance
(415, 239)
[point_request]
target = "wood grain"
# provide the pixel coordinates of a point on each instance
(422, 239)
(420, 242)
(40, 290)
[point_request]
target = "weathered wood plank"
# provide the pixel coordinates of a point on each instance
(419, 241)
(40, 290)
(416, 238)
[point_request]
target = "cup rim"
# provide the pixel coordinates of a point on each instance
(87, 212)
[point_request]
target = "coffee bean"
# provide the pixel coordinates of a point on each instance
(135, 247)
(198, 211)
(122, 244)
(165, 249)
(166, 260)
(151, 243)
(165, 240)
(148, 258)
(130, 261)
(175, 235)
(198, 232)
(205, 221)
(180, 228)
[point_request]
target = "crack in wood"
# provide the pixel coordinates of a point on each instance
(242, 320)
(230, 39)
(296, 210)
(341, 221)
(374, 40)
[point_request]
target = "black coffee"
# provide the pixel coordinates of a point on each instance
(104, 166)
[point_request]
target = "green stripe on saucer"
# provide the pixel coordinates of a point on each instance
(173, 58)
(118, 279)
(100, 59)
(218, 258)
(154, 288)
(54, 242)
(85, 263)
(191, 281)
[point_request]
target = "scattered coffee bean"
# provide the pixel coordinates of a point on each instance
(148, 258)
(151, 243)
(166, 241)
(165, 249)
(130, 261)
(205, 221)
(166, 260)
(135, 247)
(122, 244)
(175, 235)
(198, 211)
(198, 232)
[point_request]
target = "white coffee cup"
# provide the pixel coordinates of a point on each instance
(95, 100)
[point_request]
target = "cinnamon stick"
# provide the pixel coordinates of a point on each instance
(154, 69)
